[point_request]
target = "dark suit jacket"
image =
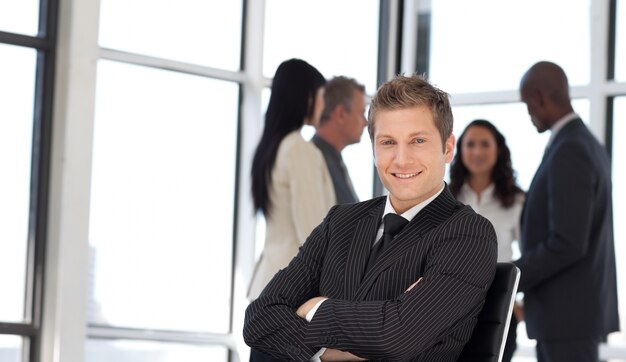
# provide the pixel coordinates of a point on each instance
(448, 244)
(568, 260)
(344, 190)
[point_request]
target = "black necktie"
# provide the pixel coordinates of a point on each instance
(393, 223)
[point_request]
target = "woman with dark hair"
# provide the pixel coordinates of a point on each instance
(291, 185)
(481, 175)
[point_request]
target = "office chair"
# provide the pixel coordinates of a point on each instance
(489, 336)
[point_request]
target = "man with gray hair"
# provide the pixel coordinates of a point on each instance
(341, 124)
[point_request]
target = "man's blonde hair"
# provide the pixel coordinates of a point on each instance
(403, 92)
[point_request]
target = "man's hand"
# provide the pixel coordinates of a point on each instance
(331, 355)
(518, 312)
(304, 309)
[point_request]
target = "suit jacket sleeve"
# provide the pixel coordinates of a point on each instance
(458, 272)
(570, 193)
(271, 323)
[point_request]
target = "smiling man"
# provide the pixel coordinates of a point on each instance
(357, 290)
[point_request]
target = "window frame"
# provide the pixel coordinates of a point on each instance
(45, 43)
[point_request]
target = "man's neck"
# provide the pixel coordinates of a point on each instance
(331, 137)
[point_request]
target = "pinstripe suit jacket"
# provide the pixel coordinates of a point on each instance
(451, 247)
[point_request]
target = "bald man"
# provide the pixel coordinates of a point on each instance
(341, 124)
(568, 258)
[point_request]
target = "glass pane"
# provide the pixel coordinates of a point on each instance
(486, 45)
(619, 210)
(19, 16)
(337, 37)
(146, 351)
(11, 348)
(359, 160)
(194, 31)
(620, 42)
(16, 133)
(162, 199)
(513, 121)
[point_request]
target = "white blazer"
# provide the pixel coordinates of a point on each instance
(301, 194)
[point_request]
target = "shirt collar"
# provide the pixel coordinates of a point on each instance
(468, 196)
(556, 127)
(410, 213)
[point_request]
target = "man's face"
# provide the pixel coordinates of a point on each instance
(409, 155)
(355, 120)
(535, 106)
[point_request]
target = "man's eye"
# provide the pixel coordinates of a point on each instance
(387, 142)
(419, 140)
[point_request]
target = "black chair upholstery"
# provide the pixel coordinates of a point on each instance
(489, 336)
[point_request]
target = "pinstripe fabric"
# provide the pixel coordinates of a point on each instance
(372, 316)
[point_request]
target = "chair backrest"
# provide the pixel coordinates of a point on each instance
(489, 336)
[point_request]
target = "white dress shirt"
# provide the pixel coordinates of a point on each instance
(506, 221)
(554, 130)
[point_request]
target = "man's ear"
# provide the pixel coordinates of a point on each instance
(449, 148)
(340, 113)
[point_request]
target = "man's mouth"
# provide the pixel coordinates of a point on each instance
(405, 175)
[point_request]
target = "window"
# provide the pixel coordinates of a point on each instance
(475, 50)
(200, 32)
(27, 50)
(164, 144)
(162, 205)
(20, 16)
(11, 348)
(146, 351)
(620, 41)
(316, 31)
(308, 30)
(16, 137)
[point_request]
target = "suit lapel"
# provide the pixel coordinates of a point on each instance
(425, 221)
(360, 246)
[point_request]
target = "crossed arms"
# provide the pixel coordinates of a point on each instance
(456, 265)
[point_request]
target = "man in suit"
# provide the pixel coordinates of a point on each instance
(419, 298)
(567, 257)
(341, 124)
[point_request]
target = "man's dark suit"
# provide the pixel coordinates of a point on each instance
(344, 191)
(568, 259)
(371, 315)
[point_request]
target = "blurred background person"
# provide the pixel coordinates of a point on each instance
(482, 176)
(567, 247)
(291, 185)
(341, 124)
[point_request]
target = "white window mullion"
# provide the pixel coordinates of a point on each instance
(67, 254)
(599, 14)
(250, 131)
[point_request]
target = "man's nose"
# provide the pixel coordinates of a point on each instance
(404, 155)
